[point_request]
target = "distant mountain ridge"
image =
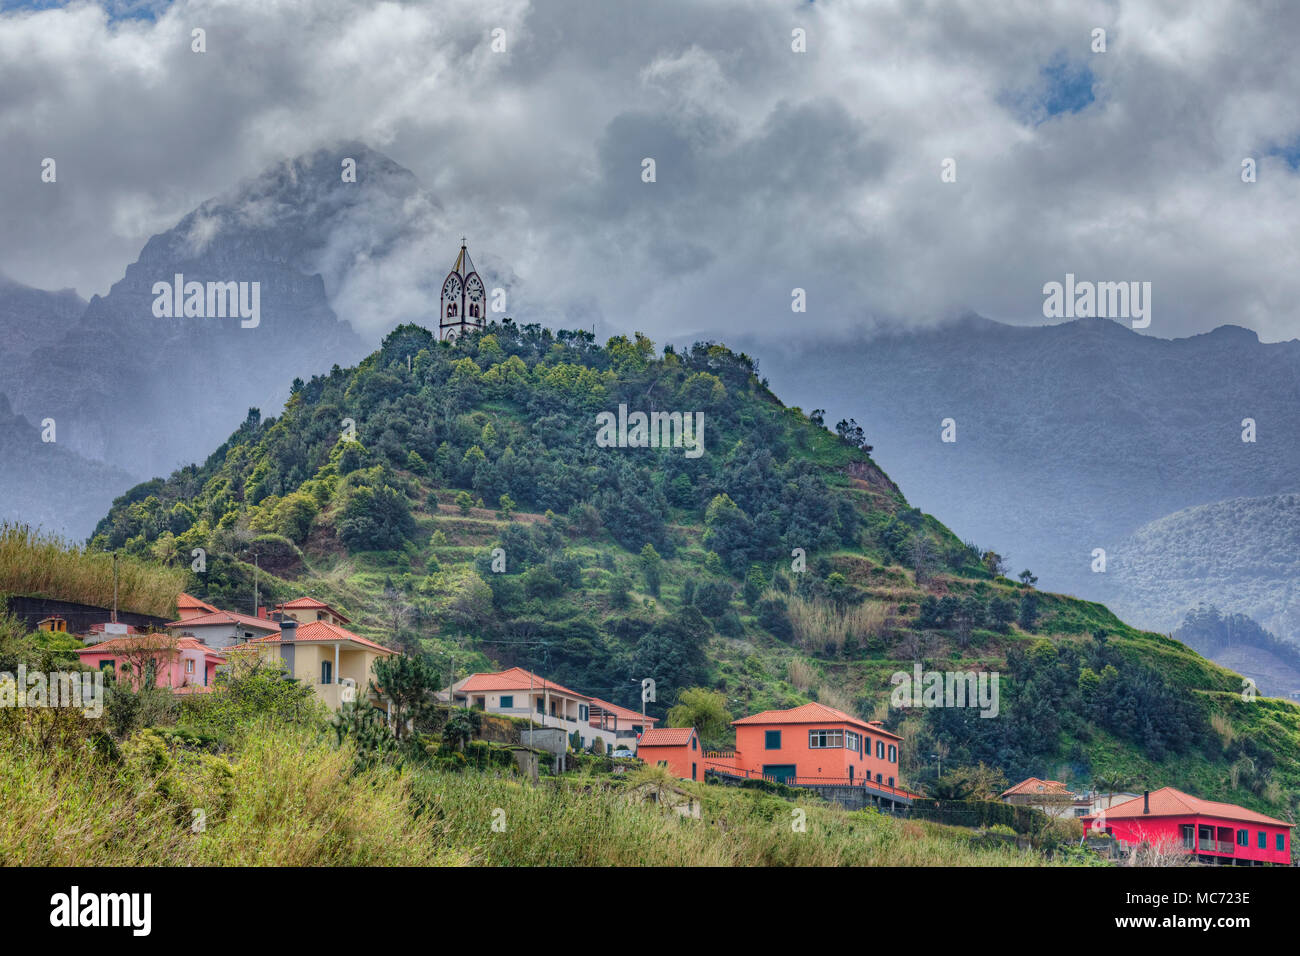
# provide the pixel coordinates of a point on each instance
(32, 318)
(1070, 437)
(146, 394)
(1245, 551)
(47, 485)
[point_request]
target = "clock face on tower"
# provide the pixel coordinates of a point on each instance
(474, 289)
(451, 288)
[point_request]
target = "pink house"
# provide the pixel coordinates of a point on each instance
(183, 664)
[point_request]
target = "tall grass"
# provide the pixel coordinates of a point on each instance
(287, 796)
(801, 674)
(822, 628)
(36, 564)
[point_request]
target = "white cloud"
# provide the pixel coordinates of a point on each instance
(776, 169)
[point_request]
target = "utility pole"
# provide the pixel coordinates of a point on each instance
(114, 587)
(255, 569)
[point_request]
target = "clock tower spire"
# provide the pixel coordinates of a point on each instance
(464, 301)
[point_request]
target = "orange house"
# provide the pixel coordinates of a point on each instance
(677, 748)
(812, 744)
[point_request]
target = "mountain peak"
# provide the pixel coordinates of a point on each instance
(1232, 334)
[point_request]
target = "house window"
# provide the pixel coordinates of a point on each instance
(893, 754)
(1189, 836)
(692, 771)
(1263, 840)
(189, 665)
(507, 701)
(771, 740)
(880, 749)
(540, 708)
(1243, 838)
(327, 672)
(1281, 842)
(825, 739)
(583, 712)
(852, 741)
(694, 743)
(107, 666)
(878, 778)
(662, 763)
(891, 781)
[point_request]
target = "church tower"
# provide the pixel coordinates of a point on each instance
(464, 301)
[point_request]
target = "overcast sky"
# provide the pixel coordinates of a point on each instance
(775, 169)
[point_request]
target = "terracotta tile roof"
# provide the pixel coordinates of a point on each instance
(666, 737)
(1168, 802)
(1032, 786)
(128, 643)
(188, 601)
(516, 678)
(227, 617)
(813, 713)
(318, 631)
(311, 604)
(622, 713)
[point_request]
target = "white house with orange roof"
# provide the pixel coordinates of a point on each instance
(626, 724)
(520, 693)
(217, 628)
(335, 662)
(1050, 796)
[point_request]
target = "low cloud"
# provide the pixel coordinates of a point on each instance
(774, 169)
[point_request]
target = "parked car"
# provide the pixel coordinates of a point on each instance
(622, 752)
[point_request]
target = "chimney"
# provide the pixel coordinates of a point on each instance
(1146, 801)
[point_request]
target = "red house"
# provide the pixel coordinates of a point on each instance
(677, 748)
(1209, 831)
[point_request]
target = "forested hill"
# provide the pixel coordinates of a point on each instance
(778, 566)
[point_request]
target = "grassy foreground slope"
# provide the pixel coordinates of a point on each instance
(453, 499)
(285, 794)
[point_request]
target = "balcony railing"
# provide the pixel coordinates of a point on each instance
(804, 781)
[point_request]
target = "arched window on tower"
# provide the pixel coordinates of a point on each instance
(451, 310)
(473, 311)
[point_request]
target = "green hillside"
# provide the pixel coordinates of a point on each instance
(386, 488)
